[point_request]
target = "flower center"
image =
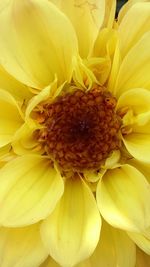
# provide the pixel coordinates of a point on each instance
(81, 129)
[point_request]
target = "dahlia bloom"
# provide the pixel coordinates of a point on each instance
(74, 134)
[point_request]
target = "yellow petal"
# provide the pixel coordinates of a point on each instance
(142, 240)
(30, 189)
(123, 198)
(105, 44)
(24, 141)
(82, 75)
(110, 10)
(114, 249)
(142, 167)
(4, 151)
(138, 145)
(128, 40)
(91, 176)
(126, 7)
(137, 99)
(134, 70)
(71, 232)
(21, 247)
(137, 102)
(10, 117)
(6, 154)
(143, 260)
(49, 92)
(87, 18)
(43, 42)
(116, 61)
(112, 160)
(100, 68)
(17, 89)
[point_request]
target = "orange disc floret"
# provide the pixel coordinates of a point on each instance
(80, 129)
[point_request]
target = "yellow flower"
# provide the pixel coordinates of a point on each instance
(74, 133)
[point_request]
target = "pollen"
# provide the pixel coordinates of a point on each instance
(80, 129)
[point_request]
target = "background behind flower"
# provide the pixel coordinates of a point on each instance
(120, 3)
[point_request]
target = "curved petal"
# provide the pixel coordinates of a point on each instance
(137, 99)
(110, 10)
(100, 68)
(105, 44)
(43, 42)
(134, 70)
(5, 151)
(142, 167)
(142, 25)
(138, 117)
(126, 7)
(142, 259)
(14, 87)
(71, 232)
(50, 92)
(142, 240)
(6, 154)
(10, 117)
(91, 176)
(83, 75)
(24, 141)
(123, 198)
(21, 247)
(30, 189)
(114, 70)
(87, 18)
(117, 244)
(138, 145)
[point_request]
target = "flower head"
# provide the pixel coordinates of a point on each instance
(74, 134)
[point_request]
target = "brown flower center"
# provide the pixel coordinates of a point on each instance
(80, 129)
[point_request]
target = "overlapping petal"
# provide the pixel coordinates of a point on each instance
(142, 167)
(106, 46)
(87, 18)
(24, 141)
(121, 249)
(35, 56)
(142, 240)
(134, 70)
(17, 89)
(137, 102)
(123, 198)
(30, 189)
(6, 154)
(114, 249)
(105, 43)
(126, 7)
(10, 117)
(138, 145)
(71, 232)
(128, 38)
(110, 10)
(137, 99)
(21, 247)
